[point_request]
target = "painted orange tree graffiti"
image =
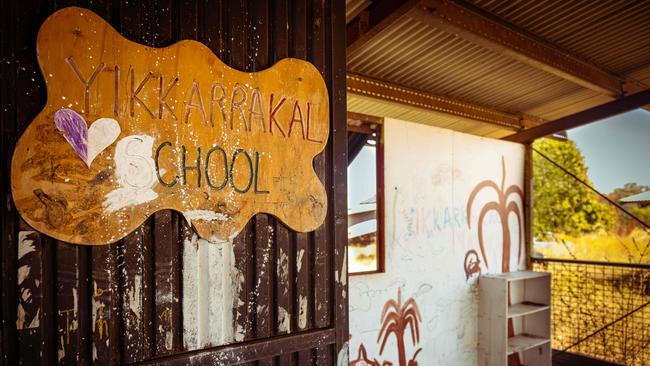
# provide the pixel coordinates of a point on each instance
(503, 206)
(396, 319)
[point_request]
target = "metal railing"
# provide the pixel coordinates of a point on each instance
(600, 309)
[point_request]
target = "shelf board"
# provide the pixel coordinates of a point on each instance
(522, 342)
(525, 309)
(518, 275)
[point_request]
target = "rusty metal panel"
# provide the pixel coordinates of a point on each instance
(140, 300)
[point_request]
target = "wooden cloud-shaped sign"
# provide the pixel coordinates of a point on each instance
(129, 130)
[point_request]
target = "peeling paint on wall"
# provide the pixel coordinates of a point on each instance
(301, 252)
(302, 313)
(284, 320)
(207, 293)
(28, 310)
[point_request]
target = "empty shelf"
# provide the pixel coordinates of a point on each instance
(522, 342)
(517, 275)
(525, 309)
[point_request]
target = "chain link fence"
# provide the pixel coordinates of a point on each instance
(600, 309)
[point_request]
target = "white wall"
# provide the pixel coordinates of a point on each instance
(429, 175)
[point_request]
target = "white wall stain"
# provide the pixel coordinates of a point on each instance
(135, 173)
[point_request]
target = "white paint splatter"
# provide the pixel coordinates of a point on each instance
(20, 317)
(343, 356)
(61, 351)
(207, 293)
(283, 267)
(23, 272)
(204, 215)
(302, 315)
(344, 269)
(284, 321)
(135, 298)
(135, 172)
(301, 252)
(25, 246)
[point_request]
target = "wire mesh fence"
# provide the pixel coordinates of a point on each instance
(600, 309)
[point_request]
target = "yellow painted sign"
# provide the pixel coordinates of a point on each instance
(129, 130)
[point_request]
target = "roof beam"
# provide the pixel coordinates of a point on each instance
(364, 118)
(379, 16)
(489, 31)
(379, 89)
(610, 109)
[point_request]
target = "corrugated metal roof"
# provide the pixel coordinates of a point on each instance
(420, 56)
(613, 34)
(372, 106)
(354, 7)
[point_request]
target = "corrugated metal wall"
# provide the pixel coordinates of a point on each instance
(125, 303)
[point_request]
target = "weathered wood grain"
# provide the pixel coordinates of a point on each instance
(129, 130)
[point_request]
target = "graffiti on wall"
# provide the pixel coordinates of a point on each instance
(503, 206)
(397, 319)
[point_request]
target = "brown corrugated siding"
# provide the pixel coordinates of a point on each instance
(66, 280)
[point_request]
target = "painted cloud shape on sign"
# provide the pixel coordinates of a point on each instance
(129, 130)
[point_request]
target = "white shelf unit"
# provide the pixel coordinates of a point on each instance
(527, 313)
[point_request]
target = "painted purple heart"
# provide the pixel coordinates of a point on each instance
(74, 129)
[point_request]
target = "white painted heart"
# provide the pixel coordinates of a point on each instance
(87, 142)
(101, 134)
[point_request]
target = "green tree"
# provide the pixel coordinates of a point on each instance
(562, 204)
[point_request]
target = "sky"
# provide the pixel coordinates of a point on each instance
(361, 179)
(616, 150)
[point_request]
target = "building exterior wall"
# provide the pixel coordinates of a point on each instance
(430, 174)
(270, 295)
